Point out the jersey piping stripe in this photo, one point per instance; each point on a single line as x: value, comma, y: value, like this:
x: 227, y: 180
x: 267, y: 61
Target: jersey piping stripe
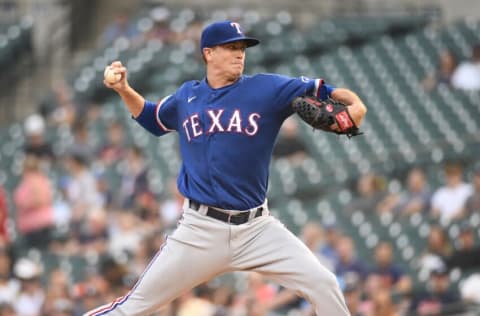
x: 318, y: 85
x: 103, y: 310
x: 157, y: 118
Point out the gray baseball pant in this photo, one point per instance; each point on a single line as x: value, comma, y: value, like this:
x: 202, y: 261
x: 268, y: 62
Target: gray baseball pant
x: 203, y: 247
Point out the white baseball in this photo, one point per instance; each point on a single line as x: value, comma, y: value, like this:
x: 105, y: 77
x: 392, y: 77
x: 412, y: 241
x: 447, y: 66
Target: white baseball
x: 110, y: 76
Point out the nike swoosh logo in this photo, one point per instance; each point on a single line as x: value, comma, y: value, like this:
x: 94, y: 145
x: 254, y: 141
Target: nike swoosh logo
x: 191, y: 99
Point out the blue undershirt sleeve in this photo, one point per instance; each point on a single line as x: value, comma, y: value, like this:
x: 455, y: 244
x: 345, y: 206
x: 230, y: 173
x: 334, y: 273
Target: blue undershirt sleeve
x: 158, y: 119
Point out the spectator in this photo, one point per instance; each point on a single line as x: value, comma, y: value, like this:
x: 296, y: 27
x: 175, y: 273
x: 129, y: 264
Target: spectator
x: 369, y: 194
x: 115, y: 275
x: 290, y: 144
x: 147, y: 209
x: 94, y: 113
x: 64, y: 113
x: 472, y: 204
x: 145, y: 251
x: 467, y: 254
x: 82, y: 139
x: 470, y: 289
x: 92, y: 235
x: 391, y: 275
x: 377, y: 298
x: 57, y: 300
x: 443, y: 75
x: 61, y: 205
x: 192, y: 33
x: 160, y: 29
x: 414, y: 199
x: 259, y: 291
x: 467, y: 75
x: 120, y: 27
x: 352, y: 292
x: 105, y: 188
x: 134, y: 178
x: 36, y: 145
x: 90, y: 292
x: 313, y: 236
x: 114, y: 148
x: 449, y: 200
x: 9, y: 286
x: 33, y: 199
x: 81, y: 188
x: 382, y: 304
x: 31, y: 296
x: 437, y: 297
x: 438, y: 248
x: 328, y: 249
x: 126, y: 235
x: 224, y: 298
x: 4, y: 236
x: 197, y: 302
x: 348, y: 261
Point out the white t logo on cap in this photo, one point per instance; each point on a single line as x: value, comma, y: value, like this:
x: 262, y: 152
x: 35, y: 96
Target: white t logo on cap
x: 237, y: 26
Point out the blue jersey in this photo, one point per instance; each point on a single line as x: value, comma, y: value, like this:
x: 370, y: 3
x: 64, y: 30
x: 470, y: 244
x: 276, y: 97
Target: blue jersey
x: 227, y: 135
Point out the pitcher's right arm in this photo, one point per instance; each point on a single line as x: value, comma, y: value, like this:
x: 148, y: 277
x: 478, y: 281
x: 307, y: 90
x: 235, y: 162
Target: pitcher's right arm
x: 132, y: 99
x: 157, y: 118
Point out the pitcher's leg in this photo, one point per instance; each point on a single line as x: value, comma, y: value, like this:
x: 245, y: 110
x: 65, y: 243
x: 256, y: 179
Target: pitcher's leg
x: 281, y: 256
x: 190, y: 257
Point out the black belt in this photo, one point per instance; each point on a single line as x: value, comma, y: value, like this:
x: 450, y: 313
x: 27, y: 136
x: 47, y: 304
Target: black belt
x: 236, y: 219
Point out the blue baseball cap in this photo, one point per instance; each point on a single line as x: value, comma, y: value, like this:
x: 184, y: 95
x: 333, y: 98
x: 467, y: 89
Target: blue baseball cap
x: 224, y: 32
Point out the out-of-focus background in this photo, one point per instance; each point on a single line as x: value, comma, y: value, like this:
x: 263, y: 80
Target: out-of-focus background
x: 86, y: 195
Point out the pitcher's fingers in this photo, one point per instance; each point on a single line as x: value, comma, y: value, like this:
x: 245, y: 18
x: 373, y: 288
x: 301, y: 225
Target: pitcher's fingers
x: 116, y: 64
x: 120, y: 70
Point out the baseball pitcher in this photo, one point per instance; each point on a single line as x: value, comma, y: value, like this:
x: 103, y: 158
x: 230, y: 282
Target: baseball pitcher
x: 227, y: 125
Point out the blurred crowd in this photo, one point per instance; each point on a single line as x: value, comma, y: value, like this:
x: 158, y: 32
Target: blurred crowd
x: 116, y: 228
x: 464, y: 75
x: 158, y: 26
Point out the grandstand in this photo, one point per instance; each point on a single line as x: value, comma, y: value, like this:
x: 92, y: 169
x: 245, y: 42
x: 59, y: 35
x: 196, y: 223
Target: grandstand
x: 381, y: 56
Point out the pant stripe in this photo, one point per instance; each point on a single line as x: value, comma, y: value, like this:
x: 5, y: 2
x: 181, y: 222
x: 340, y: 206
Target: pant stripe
x: 103, y: 310
x: 111, y: 307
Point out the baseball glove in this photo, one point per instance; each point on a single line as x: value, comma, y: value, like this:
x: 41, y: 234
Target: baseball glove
x: 327, y: 115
